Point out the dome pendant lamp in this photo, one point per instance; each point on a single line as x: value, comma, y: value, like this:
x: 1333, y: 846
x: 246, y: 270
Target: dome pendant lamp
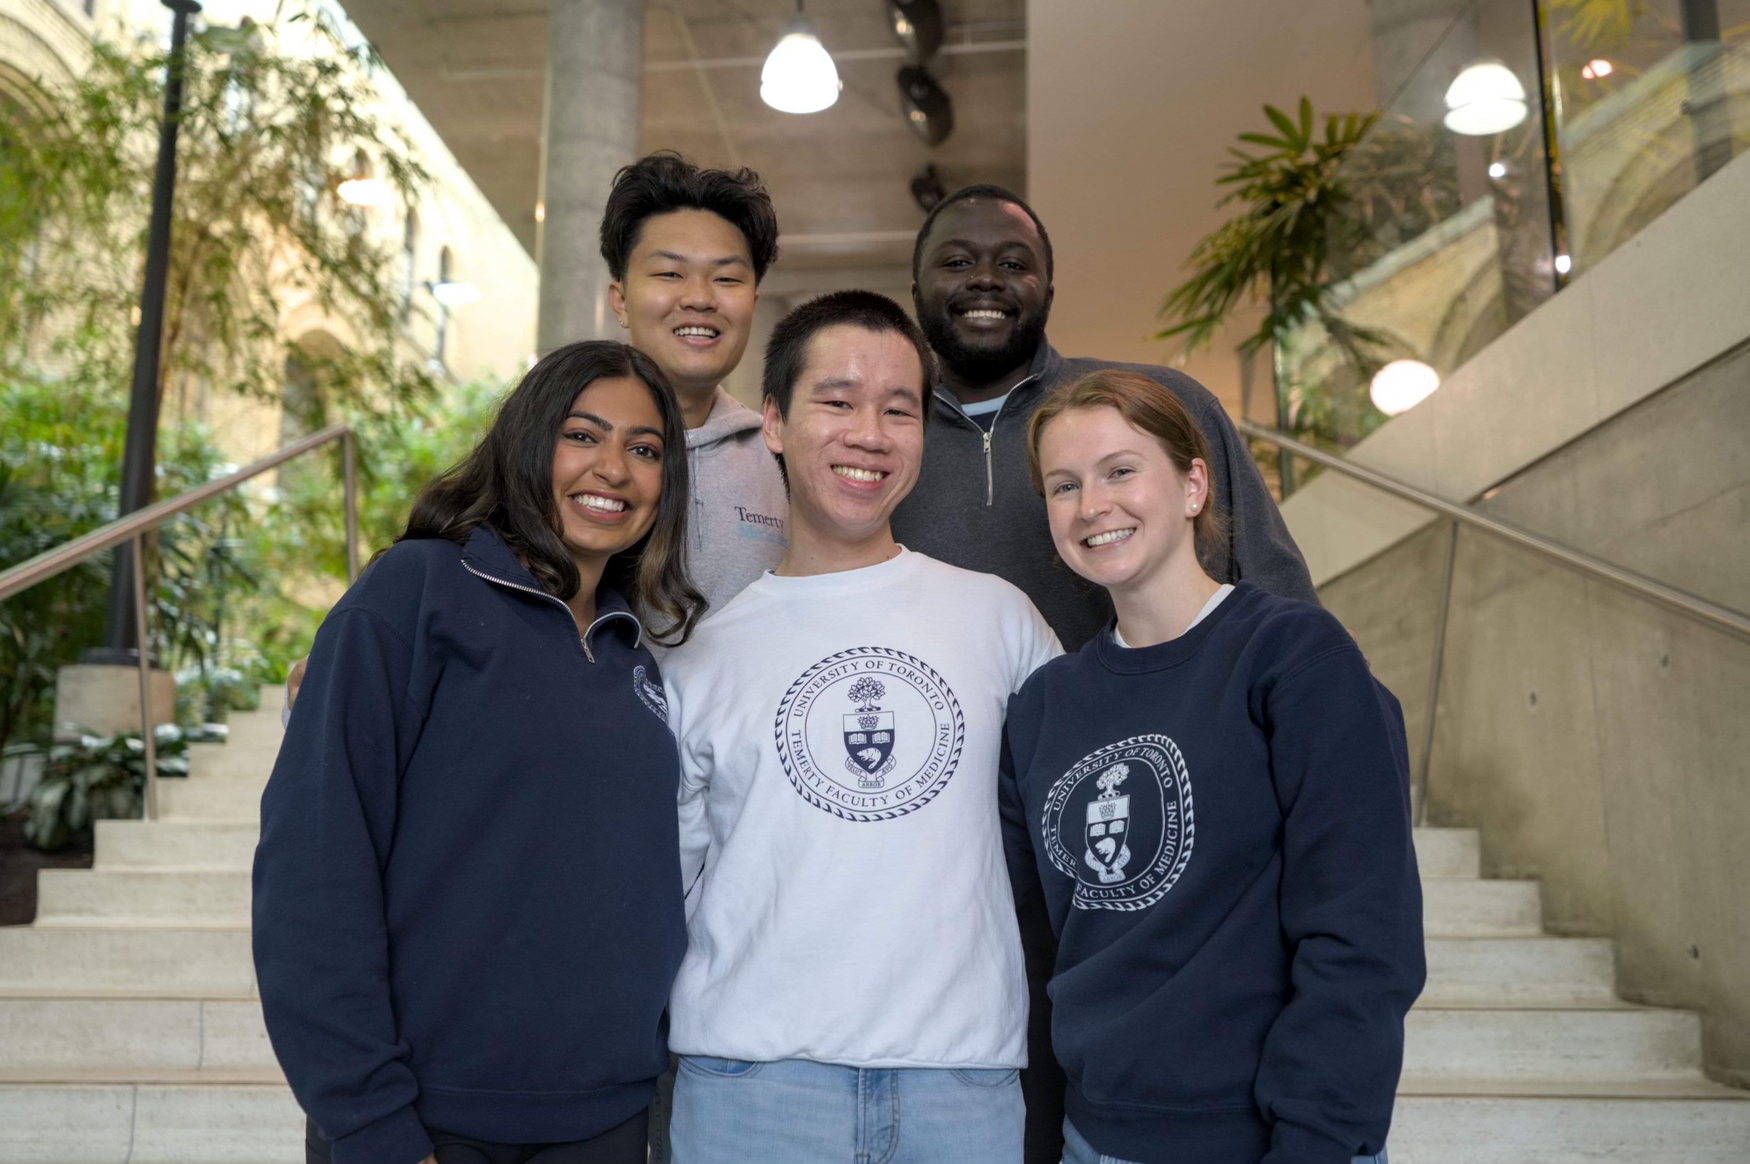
x: 799, y: 76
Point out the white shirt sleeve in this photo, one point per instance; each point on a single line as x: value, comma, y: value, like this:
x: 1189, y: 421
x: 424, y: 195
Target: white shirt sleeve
x: 695, y: 828
x: 1038, y: 645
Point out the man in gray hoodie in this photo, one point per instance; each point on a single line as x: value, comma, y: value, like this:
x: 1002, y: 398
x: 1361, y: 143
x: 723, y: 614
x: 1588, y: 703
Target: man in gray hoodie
x: 687, y: 249
x: 981, y: 286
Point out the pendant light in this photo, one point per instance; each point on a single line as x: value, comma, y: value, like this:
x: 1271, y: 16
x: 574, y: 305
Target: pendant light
x: 1485, y: 99
x: 799, y: 76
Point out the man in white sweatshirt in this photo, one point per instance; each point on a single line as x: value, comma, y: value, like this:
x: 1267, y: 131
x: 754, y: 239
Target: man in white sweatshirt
x: 853, y: 988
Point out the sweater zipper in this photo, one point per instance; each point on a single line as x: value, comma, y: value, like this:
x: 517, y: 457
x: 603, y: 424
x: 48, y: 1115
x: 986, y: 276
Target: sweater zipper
x: 990, y: 486
x: 582, y: 639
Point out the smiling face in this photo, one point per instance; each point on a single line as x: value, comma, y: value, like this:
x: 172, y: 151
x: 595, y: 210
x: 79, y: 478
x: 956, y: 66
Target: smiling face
x: 982, y: 293
x: 854, y: 436
x: 607, y: 469
x: 1121, y: 513
x: 688, y: 298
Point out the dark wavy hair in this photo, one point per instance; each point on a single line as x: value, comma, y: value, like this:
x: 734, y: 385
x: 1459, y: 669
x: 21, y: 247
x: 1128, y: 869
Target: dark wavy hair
x: 506, y: 483
x: 664, y: 182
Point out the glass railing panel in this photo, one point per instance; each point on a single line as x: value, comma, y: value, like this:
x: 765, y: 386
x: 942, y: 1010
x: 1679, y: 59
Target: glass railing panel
x: 1651, y: 99
x: 1441, y: 239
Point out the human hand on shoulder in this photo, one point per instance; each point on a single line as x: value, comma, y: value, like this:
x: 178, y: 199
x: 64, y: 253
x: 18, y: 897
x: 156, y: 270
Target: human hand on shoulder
x: 294, y: 680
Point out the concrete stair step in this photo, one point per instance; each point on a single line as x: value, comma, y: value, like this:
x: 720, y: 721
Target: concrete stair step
x: 152, y: 963
x: 125, y: 1036
x: 1553, y: 1045
x: 1519, y: 971
x: 176, y: 844
x: 215, y: 798
x: 1448, y: 854
x: 175, y: 1123
x: 1481, y: 909
x: 207, y: 760
x: 1645, y: 1128
x: 142, y: 897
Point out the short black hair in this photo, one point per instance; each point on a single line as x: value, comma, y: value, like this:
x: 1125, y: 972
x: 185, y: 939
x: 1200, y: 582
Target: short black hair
x: 995, y: 194
x: 787, y: 351
x: 663, y: 182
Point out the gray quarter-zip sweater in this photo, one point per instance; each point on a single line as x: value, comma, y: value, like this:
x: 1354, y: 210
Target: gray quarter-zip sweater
x: 740, y: 516
x: 974, y: 507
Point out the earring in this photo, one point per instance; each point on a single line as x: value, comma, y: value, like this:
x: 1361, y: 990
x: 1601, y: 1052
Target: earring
x: 622, y: 323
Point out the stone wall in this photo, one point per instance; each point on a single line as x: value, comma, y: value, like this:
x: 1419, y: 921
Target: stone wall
x: 1600, y: 743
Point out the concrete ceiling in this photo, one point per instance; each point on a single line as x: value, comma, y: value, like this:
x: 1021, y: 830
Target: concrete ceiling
x: 839, y: 178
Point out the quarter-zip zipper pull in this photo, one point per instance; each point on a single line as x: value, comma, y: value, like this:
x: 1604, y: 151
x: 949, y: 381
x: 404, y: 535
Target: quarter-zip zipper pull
x: 989, y: 479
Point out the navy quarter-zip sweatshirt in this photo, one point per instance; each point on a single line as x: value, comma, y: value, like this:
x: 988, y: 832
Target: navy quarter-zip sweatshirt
x: 1219, y: 825
x: 468, y: 906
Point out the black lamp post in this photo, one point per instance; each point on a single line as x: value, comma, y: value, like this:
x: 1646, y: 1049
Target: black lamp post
x: 121, y: 638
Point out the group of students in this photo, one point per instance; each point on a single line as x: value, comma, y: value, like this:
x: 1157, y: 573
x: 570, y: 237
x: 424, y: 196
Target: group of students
x: 768, y: 756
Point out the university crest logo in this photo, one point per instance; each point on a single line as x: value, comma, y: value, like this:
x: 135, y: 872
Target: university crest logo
x: 1119, y: 823
x: 869, y: 734
x: 650, y: 693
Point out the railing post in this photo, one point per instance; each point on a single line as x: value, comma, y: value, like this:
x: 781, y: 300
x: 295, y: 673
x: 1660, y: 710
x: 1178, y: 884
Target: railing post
x: 148, y: 729
x: 349, y: 470
x: 1434, y: 673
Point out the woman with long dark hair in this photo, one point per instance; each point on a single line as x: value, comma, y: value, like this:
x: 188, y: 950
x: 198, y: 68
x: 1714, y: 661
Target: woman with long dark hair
x: 467, y: 893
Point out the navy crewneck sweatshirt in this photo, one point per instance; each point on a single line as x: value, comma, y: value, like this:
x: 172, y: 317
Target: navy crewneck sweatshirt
x: 468, y: 904
x: 1219, y: 826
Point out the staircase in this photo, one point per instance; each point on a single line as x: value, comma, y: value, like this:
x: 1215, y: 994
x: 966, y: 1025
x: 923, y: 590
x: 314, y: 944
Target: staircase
x: 129, y: 1030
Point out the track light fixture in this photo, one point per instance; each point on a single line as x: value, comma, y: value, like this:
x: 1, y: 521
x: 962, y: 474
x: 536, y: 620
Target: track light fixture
x: 928, y: 109
x: 917, y: 25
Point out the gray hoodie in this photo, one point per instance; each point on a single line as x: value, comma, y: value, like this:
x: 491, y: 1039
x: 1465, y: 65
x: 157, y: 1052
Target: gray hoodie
x: 740, y: 515
x: 974, y: 506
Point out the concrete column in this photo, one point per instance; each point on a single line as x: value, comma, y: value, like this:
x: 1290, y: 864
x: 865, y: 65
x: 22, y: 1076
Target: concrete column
x: 595, y: 68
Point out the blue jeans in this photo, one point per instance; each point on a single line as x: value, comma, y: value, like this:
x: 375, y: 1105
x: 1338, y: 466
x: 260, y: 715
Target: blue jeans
x: 1078, y: 1151
x: 729, y: 1111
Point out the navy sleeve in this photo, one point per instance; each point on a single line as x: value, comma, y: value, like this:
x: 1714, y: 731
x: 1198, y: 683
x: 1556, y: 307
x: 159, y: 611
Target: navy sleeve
x: 1259, y: 546
x: 1351, y: 911
x: 321, y: 939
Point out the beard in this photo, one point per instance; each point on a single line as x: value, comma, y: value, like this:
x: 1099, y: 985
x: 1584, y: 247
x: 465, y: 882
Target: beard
x: 974, y: 364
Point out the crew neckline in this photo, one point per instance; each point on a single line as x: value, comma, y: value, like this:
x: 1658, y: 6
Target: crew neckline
x: 879, y: 574
x: 1135, y: 660
x: 1221, y: 592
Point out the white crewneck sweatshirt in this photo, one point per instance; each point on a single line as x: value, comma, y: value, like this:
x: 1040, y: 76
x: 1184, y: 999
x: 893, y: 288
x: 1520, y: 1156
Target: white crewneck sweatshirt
x: 848, y: 897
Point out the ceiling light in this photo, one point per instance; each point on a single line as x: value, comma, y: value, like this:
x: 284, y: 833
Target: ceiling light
x: 364, y: 192
x: 927, y: 188
x: 1401, y: 385
x: 1485, y: 99
x: 540, y: 212
x: 1564, y: 264
x: 799, y: 76
x: 1497, y: 169
x: 455, y: 294
x: 917, y: 25
x: 1594, y: 69
x: 927, y: 107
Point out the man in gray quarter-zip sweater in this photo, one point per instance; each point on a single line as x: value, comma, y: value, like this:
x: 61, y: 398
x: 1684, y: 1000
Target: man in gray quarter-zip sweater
x: 981, y: 285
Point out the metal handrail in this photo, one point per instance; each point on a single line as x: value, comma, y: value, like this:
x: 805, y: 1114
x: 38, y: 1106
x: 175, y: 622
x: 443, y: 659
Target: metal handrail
x: 1692, y: 605
x: 1682, y: 602
x: 135, y: 526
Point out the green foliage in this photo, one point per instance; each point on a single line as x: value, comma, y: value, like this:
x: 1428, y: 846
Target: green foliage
x: 273, y: 119
x: 97, y: 778
x: 60, y: 463
x: 1275, y: 249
